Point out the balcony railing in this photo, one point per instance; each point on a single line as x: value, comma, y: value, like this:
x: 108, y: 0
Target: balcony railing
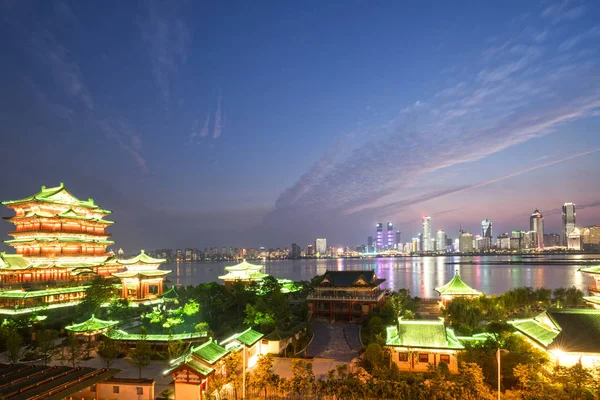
x: 54, y: 231
x: 339, y: 297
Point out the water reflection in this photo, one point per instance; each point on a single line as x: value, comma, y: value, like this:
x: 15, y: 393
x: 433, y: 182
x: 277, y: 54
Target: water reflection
x: 492, y: 275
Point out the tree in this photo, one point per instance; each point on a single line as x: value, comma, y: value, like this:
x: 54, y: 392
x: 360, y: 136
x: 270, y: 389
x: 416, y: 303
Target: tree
x: 232, y: 364
x: 175, y: 348
x: 14, y: 342
x: 74, y: 350
x: 45, y: 345
x: 470, y: 384
x: 262, y: 376
x: 191, y: 308
x: 575, y: 380
x: 265, y: 320
x: 374, y: 355
x: 109, y: 350
x: 303, y: 380
x: 141, y: 355
x: 99, y: 292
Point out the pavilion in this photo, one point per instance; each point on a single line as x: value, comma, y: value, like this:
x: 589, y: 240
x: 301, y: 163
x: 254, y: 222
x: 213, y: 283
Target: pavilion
x: 243, y: 272
x: 568, y: 336
x: 456, y: 288
x: 91, y: 327
x: 142, y: 280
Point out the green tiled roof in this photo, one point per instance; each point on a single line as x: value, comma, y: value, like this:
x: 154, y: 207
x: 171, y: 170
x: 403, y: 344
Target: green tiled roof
x: 457, y: 287
x: 350, y: 278
x: 27, y: 310
x: 91, y: 325
x: 57, y: 195
x: 535, y: 330
x: 194, y: 365
x: 20, y: 294
x: 247, y: 337
x: 169, y: 294
x: 591, y: 270
x: 595, y: 300
x: 142, y: 258
x: 145, y: 274
x: 13, y: 261
x: 243, y: 271
x: 209, y: 352
x: 422, y: 334
x: 118, y: 334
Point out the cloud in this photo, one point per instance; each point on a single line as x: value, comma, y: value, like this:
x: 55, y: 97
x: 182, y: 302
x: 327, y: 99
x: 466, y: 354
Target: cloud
x: 217, y: 129
x: 561, y: 12
x: 117, y: 129
x: 514, y: 98
x: 167, y: 37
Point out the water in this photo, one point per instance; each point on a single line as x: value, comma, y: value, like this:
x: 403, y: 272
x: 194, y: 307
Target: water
x: 489, y: 274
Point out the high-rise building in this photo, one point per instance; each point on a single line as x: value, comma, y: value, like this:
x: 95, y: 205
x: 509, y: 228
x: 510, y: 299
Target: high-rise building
x: 379, y: 237
x: 415, y: 245
x: 574, y: 239
x: 426, y: 234
x: 399, y: 240
x: 188, y: 254
x: 486, y: 228
x: 321, y: 246
x: 390, y: 236
x: 568, y: 221
x: 465, y: 242
x: 552, y: 240
x: 310, y: 250
x: 503, y: 241
x: 590, y: 237
x: 370, y: 248
x: 440, y: 242
x: 296, y: 251
x: 536, y: 224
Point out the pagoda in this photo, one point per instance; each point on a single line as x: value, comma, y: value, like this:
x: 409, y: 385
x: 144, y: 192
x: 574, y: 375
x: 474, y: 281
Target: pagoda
x: 456, y: 288
x: 142, y: 280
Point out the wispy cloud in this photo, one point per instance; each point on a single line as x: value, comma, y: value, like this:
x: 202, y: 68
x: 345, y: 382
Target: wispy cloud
x: 166, y: 36
x: 198, y: 133
x: 516, y: 96
x: 563, y: 12
x: 217, y: 130
x: 127, y: 139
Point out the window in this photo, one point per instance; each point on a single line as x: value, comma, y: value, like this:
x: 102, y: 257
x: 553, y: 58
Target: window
x: 403, y: 357
x: 445, y: 358
x: 423, y: 357
x: 115, y: 389
x: 140, y: 390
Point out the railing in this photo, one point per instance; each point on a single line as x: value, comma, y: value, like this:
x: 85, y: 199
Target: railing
x: 376, y: 297
x: 52, y: 231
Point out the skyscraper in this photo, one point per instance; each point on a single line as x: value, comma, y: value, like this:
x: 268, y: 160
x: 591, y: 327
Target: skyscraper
x: 536, y: 224
x: 440, y: 241
x: 486, y: 228
x: 399, y: 240
x: 426, y: 234
x: 390, y: 236
x: 370, y: 248
x: 321, y: 246
x: 379, y: 237
x: 568, y: 221
x: 465, y: 242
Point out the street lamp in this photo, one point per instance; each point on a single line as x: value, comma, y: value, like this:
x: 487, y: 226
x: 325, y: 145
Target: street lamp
x: 498, y: 352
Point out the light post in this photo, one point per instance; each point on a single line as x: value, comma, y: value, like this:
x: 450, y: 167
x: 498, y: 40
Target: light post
x: 244, y: 373
x: 498, y: 352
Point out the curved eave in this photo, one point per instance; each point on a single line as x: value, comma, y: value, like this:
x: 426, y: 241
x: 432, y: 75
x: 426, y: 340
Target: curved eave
x: 141, y: 274
x: 141, y: 258
x: 60, y: 239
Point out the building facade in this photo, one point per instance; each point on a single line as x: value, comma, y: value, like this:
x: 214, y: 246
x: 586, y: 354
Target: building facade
x: 379, y: 242
x: 465, y: 242
x: 426, y: 234
x: 321, y: 246
x: 440, y: 240
x: 568, y: 221
x: 536, y: 224
x: 390, y: 236
x: 486, y: 228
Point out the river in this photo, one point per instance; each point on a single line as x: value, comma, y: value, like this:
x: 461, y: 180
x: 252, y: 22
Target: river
x: 489, y: 274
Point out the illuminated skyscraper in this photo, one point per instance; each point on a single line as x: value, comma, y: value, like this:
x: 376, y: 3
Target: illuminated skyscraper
x: 321, y: 246
x: 440, y: 241
x: 390, y: 236
x: 568, y: 221
x: 465, y: 242
x: 426, y: 234
x: 486, y: 228
x: 379, y: 237
x: 536, y: 224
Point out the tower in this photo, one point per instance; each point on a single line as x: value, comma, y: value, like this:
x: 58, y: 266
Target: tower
x: 53, y: 224
x: 440, y: 241
x: 536, y: 224
x: 426, y: 234
x: 390, y: 236
x: 379, y: 237
x: 568, y: 221
x: 486, y: 228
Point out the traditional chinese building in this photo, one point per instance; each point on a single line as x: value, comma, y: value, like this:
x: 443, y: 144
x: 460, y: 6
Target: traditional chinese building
x: 92, y: 327
x: 568, y: 336
x: 61, y: 241
x: 456, y: 288
x: 346, y: 295
x: 594, y: 298
x: 416, y: 344
x: 243, y: 272
x: 249, y: 342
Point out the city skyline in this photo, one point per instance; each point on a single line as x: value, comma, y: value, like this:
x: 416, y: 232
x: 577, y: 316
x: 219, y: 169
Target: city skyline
x: 176, y: 117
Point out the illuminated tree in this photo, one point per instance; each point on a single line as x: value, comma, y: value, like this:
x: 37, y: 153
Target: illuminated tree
x: 262, y: 376
x: 303, y: 381
x: 141, y: 355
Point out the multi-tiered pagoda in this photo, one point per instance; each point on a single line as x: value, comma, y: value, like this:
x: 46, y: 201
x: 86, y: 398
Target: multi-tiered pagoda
x: 61, y: 243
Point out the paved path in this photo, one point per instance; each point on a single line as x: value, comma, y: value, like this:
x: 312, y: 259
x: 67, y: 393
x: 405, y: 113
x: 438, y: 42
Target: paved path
x: 336, y: 341
x: 283, y: 366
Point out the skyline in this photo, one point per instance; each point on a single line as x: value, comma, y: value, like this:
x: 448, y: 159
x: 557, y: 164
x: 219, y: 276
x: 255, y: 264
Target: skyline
x: 267, y: 125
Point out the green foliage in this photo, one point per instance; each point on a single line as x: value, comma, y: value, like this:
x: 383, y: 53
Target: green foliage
x: 109, y: 350
x: 191, y: 308
x: 262, y: 377
x: 14, y: 342
x: 100, y: 291
x: 303, y: 380
x: 72, y: 351
x: 141, y: 355
x: 44, y: 346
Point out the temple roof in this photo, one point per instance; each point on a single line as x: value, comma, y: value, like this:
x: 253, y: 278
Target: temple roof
x: 457, y: 287
x: 141, y: 258
x: 13, y: 261
x: 422, y: 334
x: 569, y: 330
x: 591, y: 270
x: 209, y: 352
x: 140, y: 273
x: 57, y: 195
x: 247, y: 337
x: 243, y: 271
x: 350, y: 278
x: 92, y: 325
x: 118, y: 334
x: 21, y: 294
x: 194, y: 365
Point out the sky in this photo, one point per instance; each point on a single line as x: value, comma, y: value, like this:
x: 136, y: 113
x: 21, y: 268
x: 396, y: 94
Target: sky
x: 250, y: 124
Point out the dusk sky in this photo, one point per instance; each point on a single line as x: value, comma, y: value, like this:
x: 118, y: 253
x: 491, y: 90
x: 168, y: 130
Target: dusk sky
x: 245, y: 124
